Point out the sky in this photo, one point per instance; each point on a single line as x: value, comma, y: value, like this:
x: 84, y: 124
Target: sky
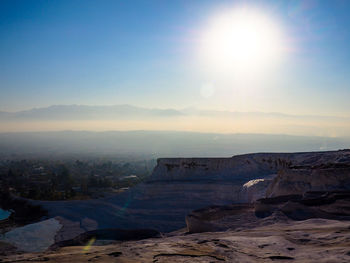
x: 150, y: 54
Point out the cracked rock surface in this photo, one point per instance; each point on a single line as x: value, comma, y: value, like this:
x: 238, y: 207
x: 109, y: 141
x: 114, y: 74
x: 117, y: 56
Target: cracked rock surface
x: 313, y: 240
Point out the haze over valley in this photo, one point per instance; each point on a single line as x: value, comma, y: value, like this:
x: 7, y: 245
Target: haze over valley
x: 155, y: 144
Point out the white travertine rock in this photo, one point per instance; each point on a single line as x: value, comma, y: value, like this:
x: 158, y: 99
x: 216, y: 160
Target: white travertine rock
x: 35, y: 237
x: 254, y: 190
x: 245, y: 166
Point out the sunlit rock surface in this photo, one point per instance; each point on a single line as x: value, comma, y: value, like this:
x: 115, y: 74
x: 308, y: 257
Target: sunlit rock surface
x: 254, y: 190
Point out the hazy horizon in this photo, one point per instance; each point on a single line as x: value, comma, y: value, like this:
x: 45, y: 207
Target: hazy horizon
x: 128, y: 117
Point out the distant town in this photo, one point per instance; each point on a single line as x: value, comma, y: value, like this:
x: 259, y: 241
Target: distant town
x: 71, y: 180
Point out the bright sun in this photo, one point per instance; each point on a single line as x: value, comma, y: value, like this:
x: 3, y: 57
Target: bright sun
x: 241, y: 41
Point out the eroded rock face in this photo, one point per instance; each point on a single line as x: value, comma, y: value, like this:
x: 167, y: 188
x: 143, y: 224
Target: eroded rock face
x: 301, y: 180
x: 244, y: 167
x: 220, y: 218
x: 328, y: 205
x: 240, y: 167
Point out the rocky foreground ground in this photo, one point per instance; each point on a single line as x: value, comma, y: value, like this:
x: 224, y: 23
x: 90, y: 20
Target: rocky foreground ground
x: 313, y: 227
x: 313, y: 240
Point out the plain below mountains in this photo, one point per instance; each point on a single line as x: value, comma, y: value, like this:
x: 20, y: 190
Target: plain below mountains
x: 155, y: 144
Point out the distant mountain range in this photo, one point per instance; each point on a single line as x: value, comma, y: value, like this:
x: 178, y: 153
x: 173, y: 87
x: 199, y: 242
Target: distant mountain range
x: 83, y: 112
x: 119, y: 112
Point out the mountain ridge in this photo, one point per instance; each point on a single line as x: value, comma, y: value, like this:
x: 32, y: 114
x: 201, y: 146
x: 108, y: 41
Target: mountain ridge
x: 97, y: 111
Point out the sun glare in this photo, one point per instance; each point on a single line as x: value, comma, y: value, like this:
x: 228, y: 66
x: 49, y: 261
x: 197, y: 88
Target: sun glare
x: 241, y: 41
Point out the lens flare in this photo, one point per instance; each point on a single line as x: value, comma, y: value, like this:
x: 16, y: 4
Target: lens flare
x: 89, y: 244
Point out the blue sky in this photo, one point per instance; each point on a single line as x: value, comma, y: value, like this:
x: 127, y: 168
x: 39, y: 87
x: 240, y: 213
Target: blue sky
x: 145, y: 53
